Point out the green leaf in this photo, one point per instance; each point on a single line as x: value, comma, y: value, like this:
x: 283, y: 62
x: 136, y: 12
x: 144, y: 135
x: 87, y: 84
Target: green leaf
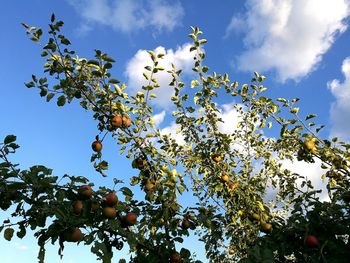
x: 126, y: 191
x: 9, y: 139
x: 310, y: 116
x: 153, y: 55
x: 185, y: 253
x: 96, y: 73
x: 61, y: 101
x: 44, y: 53
x: 93, y: 62
x: 43, y: 92
x: 261, y: 78
x: 22, y: 231
x: 49, y: 96
x: 146, y: 75
x: 8, y: 234
x: 113, y: 81
x: 65, y: 41
x: 25, y: 25
x: 295, y: 100
x: 30, y: 84
x: 194, y: 83
x: 108, y: 59
x: 281, y: 100
x: 294, y: 110
x: 320, y: 128
x: 108, y: 65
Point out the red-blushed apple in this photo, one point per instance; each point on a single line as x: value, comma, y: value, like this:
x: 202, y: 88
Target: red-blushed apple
x: 266, y: 228
x: 109, y: 212
x: 130, y: 219
x: 185, y: 224
x: 225, y: 178
x: 96, y: 146
x: 126, y: 121
x: 311, y: 241
x: 232, y: 186
x: 85, y: 191
x: 175, y: 257
x: 72, y: 235
x: 77, y: 207
x: 117, y: 121
x: 110, y: 199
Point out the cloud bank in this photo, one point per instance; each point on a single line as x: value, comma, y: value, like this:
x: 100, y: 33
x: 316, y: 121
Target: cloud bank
x: 181, y: 57
x: 340, y: 109
x: 130, y: 15
x: 288, y: 36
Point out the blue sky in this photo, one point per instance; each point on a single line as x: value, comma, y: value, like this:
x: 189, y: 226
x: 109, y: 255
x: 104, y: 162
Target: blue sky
x: 301, y: 46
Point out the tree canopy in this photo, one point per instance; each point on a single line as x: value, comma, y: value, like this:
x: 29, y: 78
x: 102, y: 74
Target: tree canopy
x: 249, y: 207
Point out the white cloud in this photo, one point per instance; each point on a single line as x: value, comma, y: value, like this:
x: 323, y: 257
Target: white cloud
x: 130, y: 15
x: 231, y: 117
x: 158, y: 118
x: 312, y: 171
x: 172, y: 130
x: 228, y: 114
x: 340, y: 109
x: 289, y: 36
x: 164, y: 15
x: 20, y: 246
x: 181, y: 57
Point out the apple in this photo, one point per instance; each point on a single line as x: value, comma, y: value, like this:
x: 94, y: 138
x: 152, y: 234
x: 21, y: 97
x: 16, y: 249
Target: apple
x: 255, y: 216
x: 216, y: 158
x: 130, y: 219
x: 126, y: 121
x: 139, y: 163
x: 117, y: 121
x: 72, y: 235
x: 110, y: 199
x: 311, y: 241
x: 231, y: 251
x: 109, y: 212
x: 77, y: 207
x: 224, y: 178
x: 96, y: 146
x: 266, y: 227
x: 185, y: 224
x: 310, y: 145
x: 175, y: 257
x: 149, y: 185
x: 232, y: 186
x: 85, y: 191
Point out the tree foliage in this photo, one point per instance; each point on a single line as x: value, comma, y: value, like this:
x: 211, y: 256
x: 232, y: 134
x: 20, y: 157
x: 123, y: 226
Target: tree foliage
x: 249, y: 207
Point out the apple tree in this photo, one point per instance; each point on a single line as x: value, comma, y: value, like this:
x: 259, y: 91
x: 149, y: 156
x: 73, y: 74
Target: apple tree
x: 249, y: 207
